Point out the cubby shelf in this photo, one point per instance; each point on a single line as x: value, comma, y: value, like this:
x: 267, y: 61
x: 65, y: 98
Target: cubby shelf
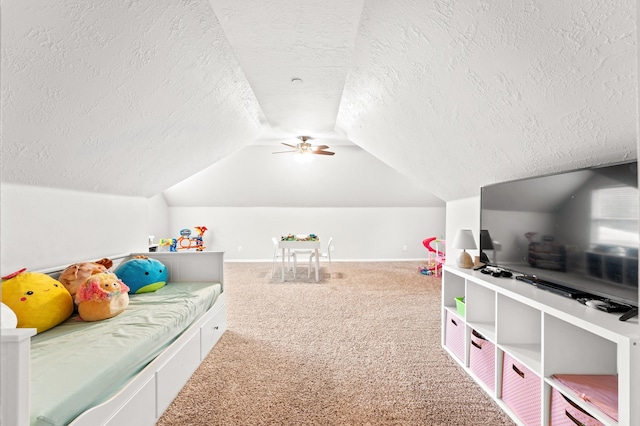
x: 547, y: 334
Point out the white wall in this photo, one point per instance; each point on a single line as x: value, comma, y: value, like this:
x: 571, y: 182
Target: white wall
x: 359, y: 233
x: 462, y: 214
x: 254, y: 177
x: 44, y: 228
x: 158, y: 217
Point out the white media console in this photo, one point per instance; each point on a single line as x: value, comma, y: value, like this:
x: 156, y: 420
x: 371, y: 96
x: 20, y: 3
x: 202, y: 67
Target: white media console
x: 538, y: 334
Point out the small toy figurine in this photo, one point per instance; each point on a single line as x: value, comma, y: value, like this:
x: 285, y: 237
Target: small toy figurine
x: 185, y: 242
x: 425, y: 270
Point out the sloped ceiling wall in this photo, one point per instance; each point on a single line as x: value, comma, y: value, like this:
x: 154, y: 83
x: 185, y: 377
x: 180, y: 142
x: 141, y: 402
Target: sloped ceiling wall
x: 133, y: 97
x: 480, y: 92
x: 276, y: 41
x: 119, y: 97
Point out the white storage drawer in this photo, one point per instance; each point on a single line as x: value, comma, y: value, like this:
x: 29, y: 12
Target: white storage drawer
x: 173, y: 375
x: 212, y: 330
x: 139, y: 410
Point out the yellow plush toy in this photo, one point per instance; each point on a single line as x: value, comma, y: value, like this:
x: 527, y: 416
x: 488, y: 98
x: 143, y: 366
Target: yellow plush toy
x: 102, y: 296
x: 38, y: 300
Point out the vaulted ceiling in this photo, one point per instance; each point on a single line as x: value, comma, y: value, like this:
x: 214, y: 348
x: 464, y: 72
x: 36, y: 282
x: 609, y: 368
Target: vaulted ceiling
x: 140, y: 97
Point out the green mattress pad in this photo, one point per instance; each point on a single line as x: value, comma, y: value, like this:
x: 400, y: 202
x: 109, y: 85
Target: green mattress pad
x: 78, y: 364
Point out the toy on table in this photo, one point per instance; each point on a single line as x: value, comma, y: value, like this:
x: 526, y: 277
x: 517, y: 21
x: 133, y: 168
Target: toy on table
x: 102, y: 296
x: 142, y: 274
x: 74, y: 275
x: 186, y: 242
x: 299, y: 237
x: 37, y: 300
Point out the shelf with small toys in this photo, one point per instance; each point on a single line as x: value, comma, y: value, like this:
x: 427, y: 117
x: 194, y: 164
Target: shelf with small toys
x: 184, y: 242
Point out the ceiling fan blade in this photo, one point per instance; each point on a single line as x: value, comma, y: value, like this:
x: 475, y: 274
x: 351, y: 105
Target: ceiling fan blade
x: 283, y: 152
x: 319, y: 147
x: 323, y: 152
x: 289, y: 145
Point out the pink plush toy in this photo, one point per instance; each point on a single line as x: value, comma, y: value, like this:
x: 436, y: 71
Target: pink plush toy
x: 102, y: 296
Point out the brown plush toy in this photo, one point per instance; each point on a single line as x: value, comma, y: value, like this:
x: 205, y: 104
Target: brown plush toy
x: 102, y: 296
x: 74, y: 275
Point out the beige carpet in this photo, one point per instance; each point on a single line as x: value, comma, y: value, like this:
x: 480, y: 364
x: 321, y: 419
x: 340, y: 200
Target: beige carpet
x: 362, y: 348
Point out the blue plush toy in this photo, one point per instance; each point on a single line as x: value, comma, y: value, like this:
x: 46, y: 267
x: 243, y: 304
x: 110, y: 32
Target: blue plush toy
x: 142, y: 274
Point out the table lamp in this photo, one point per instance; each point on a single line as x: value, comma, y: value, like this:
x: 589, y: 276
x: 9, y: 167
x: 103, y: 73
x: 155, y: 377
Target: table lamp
x: 464, y: 240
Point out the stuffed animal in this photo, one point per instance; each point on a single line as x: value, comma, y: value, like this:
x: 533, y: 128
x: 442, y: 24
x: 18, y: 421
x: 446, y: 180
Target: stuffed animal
x: 102, y: 296
x: 142, y: 274
x: 37, y: 300
x: 74, y: 275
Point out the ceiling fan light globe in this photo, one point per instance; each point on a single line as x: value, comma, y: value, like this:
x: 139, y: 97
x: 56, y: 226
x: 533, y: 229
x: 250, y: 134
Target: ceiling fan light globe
x: 303, y: 157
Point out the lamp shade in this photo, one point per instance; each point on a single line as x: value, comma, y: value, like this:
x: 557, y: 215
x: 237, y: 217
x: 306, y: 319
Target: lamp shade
x: 464, y: 240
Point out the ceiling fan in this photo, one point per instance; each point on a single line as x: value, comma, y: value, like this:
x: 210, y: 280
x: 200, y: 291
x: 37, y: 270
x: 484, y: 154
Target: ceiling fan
x: 305, y: 148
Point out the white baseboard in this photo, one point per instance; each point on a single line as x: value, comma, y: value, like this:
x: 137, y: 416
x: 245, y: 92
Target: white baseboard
x: 324, y: 261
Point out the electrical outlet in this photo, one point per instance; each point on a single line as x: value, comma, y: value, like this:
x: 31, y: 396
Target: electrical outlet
x: 239, y: 248
x: 404, y: 248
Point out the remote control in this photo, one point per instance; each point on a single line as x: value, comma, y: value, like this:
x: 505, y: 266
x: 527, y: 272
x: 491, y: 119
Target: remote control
x: 630, y: 314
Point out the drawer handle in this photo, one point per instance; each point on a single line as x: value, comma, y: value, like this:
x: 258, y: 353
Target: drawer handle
x: 478, y: 335
x: 454, y: 322
x: 476, y: 345
x: 518, y: 371
x: 576, y: 406
x: 573, y: 419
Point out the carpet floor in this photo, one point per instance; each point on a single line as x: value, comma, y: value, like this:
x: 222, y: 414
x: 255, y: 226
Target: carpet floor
x: 361, y: 348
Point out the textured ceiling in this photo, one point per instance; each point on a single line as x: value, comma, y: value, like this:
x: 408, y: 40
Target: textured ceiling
x: 133, y: 97
x: 125, y: 97
x: 480, y: 92
x: 310, y: 42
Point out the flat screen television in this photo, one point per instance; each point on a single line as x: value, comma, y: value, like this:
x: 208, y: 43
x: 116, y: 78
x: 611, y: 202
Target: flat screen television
x: 578, y: 229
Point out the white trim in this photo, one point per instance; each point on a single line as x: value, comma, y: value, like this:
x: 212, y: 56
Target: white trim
x: 332, y: 259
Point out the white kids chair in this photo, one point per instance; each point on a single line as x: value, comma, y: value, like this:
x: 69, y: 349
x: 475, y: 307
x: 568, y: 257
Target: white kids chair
x: 321, y: 255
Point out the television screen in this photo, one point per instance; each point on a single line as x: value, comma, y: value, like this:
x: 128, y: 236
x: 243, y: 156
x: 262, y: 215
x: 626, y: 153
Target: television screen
x: 578, y: 229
